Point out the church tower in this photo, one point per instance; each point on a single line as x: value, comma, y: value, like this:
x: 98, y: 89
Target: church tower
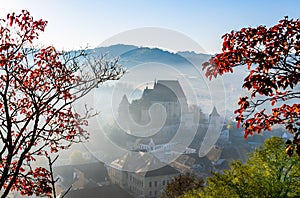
x: 152, y: 145
x: 123, y: 110
x: 214, y: 116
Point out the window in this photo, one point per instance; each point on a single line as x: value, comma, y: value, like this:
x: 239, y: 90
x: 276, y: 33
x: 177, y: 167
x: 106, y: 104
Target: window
x: 155, y: 183
x: 150, y: 193
x: 155, y: 192
x: 150, y: 185
x: 164, y: 182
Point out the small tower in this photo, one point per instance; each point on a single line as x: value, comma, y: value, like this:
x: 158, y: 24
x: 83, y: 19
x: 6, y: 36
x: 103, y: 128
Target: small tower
x: 214, y: 116
x: 152, y: 145
x: 123, y: 110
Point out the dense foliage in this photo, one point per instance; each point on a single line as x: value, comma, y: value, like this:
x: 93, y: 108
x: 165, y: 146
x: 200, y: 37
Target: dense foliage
x: 269, y: 172
x: 272, y: 57
x: 182, y: 184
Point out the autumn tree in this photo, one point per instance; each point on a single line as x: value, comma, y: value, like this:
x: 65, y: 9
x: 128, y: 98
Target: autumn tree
x: 38, y: 88
x: 268, y: 172
x: 271, y: 56
x: 181, y: 184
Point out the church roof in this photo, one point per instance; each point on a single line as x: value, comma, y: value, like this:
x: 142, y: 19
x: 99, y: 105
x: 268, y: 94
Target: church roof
x: 164, y: 90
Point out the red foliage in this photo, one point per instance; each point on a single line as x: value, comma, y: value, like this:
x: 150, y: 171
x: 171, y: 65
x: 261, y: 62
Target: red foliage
x: 272, y: 57
x: 37, y: 90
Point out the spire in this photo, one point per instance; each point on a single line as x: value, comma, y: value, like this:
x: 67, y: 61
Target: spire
x: 123, y: 110
x: 152, y: 144
x: 214, y: 112
x: 124, y: 100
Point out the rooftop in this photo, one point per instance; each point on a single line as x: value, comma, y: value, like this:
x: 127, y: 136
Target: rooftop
x: 113, y: 191
x: 165, y: 170
x: 164, y: 90
x: 144, y: 164
x: 94, y: 172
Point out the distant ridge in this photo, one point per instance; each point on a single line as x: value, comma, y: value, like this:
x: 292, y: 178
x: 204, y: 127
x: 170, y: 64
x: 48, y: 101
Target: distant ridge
x: 196, y: 59
x: 146, y: 55
x: 132, y: 55
x: 114, y: 50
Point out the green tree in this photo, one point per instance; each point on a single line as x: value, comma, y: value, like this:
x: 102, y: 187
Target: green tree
x: 182, y: 184
x: 269, y: 172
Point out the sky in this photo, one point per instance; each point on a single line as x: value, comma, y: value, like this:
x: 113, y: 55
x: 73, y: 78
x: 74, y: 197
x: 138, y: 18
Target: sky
x: 76, y: 24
